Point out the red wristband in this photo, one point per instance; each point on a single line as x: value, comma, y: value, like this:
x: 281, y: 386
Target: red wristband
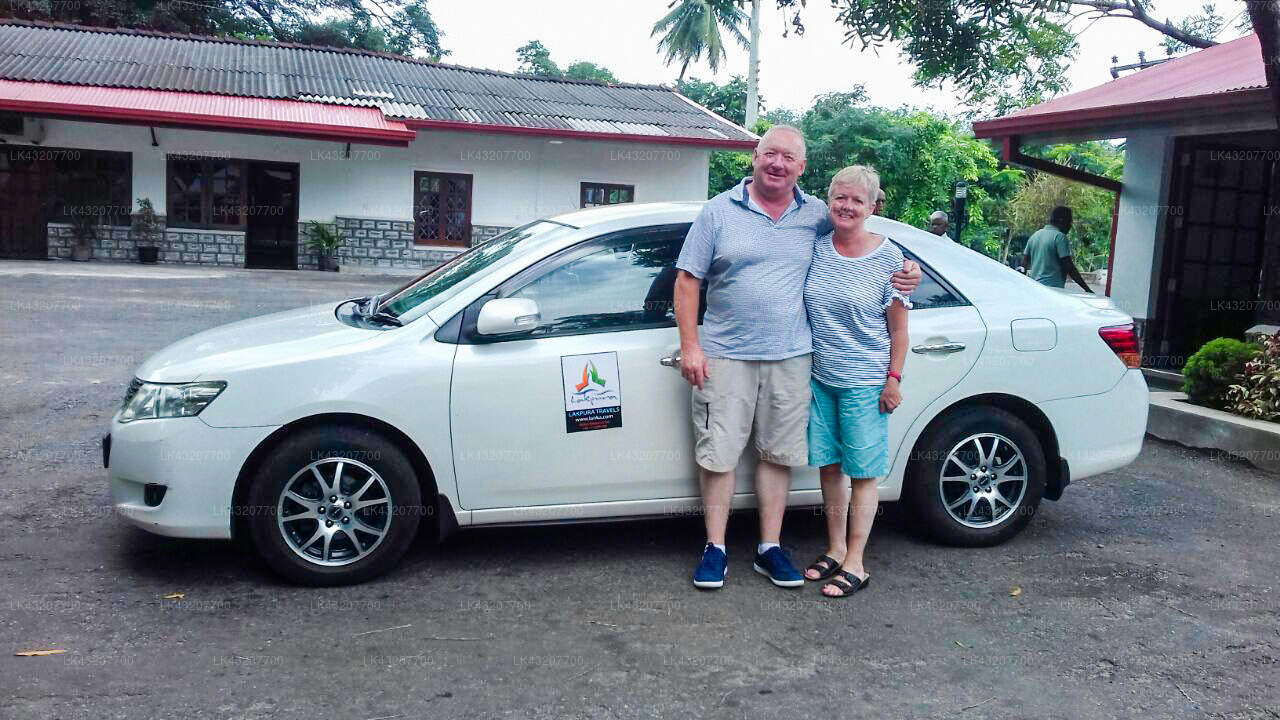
x: 895, y: 376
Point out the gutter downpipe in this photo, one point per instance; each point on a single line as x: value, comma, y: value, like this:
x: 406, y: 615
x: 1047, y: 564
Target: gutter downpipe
x: 1011, y: 152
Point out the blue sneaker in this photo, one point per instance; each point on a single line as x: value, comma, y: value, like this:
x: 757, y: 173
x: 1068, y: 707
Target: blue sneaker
x: 710, y: 573
x: 775, y: 565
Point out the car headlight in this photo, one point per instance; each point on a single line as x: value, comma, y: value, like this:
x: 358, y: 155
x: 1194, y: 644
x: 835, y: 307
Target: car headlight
x: 149, y: 401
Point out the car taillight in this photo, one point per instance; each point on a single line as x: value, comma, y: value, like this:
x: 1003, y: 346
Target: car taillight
x: 1123, y: 341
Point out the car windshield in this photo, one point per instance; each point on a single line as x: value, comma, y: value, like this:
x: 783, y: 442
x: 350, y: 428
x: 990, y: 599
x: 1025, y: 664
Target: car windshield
x: 429, y: 290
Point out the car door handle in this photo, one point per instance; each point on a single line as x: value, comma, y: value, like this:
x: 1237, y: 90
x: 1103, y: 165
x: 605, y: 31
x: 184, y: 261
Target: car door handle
x: 939, y: 348
x: 671, y: 361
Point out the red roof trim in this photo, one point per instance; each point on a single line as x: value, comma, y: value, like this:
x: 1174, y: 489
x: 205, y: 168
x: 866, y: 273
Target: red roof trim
x: 1254, y: 99
x: 208, y: 112
x: 718, y: 143
x: 1229, y: 77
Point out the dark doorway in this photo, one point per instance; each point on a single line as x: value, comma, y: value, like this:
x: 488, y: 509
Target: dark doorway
x: 1210, y: 278
x: 24, y: 181
x: 271, y: 222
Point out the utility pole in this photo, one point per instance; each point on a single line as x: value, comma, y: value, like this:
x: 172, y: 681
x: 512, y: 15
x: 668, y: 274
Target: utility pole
x: 753, y: 67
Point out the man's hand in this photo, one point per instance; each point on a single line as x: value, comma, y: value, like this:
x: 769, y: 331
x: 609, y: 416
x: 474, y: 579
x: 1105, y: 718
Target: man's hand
x: 907, y: 279
x: 693, y: 366
x: 891, y: 396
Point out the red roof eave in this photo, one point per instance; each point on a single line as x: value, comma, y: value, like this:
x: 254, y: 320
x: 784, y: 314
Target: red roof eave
x: 167, y: 108
x: 1141, y: 113
x: 716, y: 143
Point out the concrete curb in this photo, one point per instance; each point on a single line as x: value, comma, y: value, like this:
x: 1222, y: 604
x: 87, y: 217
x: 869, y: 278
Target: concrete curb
x: 1173, y: 418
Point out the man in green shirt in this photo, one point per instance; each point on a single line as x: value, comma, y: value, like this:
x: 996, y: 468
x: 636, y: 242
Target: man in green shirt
x: 1048, y: 255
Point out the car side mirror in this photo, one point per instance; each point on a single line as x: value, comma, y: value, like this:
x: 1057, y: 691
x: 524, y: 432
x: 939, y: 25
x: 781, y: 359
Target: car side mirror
x: 508, y: 316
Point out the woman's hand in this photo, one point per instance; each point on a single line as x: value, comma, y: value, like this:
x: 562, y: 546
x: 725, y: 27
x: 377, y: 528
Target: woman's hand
x: 891, y: 396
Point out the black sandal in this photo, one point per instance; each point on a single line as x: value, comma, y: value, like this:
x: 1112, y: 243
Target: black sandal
x: 847, y: 583
x: 832, y: 567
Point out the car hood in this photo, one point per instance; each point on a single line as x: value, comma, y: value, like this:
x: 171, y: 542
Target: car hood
x: 286, y: 336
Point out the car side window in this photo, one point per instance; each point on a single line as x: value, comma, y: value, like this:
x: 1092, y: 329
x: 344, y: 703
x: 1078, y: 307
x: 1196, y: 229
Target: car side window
x: 933, y: 292
x: 622, y: 282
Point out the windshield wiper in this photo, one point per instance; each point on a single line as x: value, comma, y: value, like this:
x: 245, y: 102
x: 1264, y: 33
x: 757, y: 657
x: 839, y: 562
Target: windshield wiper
x: 384, y: 317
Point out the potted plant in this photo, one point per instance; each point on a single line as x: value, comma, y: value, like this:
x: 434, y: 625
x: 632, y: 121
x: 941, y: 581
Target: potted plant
x: 146, y: 231
x: 325, y: 241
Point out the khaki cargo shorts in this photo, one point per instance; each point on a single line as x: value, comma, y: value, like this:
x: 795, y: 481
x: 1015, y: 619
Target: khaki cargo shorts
x: 769, y: 396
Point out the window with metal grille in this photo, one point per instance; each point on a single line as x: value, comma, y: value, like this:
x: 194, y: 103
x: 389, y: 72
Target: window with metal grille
x: 441, y: 209
x: 206, y: 193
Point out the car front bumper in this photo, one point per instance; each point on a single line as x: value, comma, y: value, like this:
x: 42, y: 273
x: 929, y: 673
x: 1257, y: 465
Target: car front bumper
x: 1102, y: 432
x: 195, y: 463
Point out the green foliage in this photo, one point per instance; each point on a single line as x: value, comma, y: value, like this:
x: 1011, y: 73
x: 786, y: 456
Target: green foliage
x: 918, y: 155
x: 1095, y: 156
x: 1206, y: 24
x: 535, y: 59
x: 691, y: 31
x: 583, y: 70
x: 1001, y: 54
x: 729, y: 100
x: 1257, y: 394
x: 1029, y: 208
x: 1213, y: 369
x: 146, y: 223
x: 322, y: 237
x: 397, y: 26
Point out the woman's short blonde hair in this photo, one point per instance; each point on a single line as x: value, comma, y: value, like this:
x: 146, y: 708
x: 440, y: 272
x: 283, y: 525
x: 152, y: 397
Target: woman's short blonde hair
x: 863, y: 176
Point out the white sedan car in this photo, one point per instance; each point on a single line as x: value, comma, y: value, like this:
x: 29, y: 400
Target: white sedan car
x: 534, y: 379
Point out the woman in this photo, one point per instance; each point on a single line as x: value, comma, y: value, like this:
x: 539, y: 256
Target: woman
x: 859, y: 345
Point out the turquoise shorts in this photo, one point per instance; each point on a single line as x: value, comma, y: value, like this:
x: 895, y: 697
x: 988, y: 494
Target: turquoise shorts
x: 847, y: 427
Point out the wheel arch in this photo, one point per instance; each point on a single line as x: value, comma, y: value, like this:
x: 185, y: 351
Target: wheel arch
x: 1058, y: 473
x: 421, y: 466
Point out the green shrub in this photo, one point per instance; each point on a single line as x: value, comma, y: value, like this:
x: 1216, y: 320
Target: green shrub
x: 1257, y: 395
x: 1214, y: 368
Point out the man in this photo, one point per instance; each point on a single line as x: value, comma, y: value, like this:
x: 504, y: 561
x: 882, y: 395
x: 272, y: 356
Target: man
x: 879, y: 203
x: 938, y: 223
x: 753, y: 245
x: 1048, y: 255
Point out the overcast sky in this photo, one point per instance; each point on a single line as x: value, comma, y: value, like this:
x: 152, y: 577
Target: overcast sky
x: 793, y: 70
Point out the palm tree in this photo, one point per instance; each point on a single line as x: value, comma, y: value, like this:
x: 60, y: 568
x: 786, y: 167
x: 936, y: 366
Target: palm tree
x: 692, y: 30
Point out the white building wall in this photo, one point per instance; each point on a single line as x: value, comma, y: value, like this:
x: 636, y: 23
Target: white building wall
x: 516, y: 178
x: 1140, y: 226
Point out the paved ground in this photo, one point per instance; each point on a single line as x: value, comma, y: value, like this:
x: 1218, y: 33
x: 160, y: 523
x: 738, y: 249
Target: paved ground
x: 1150, y: 592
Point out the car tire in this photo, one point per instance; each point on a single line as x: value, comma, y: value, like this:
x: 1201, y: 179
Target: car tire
x: 997, y: 499
x: 314, y: 533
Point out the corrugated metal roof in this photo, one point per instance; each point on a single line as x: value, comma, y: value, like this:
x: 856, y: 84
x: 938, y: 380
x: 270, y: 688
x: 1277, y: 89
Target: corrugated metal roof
x: 399, y: 87
x: 226, y: 112
x: 1216, y: 74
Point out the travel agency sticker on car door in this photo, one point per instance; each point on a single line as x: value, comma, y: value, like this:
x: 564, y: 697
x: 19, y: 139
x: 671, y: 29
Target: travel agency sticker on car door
x: 592, y: 392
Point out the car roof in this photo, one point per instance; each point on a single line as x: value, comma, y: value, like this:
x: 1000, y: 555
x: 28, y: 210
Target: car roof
x: 611, y: 214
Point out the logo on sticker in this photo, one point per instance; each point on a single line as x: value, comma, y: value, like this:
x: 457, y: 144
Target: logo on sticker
x: 590, y: 376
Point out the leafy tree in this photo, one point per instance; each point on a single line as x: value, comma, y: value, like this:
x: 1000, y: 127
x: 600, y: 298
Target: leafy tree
x: 535, y: 59
x: 692, y: 31
x: 1207, y: 24
x: 583, y: 70
x: 918, y: 155
x: 397, y: 26
x: 729, y: 100
x: 1002, y: 54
